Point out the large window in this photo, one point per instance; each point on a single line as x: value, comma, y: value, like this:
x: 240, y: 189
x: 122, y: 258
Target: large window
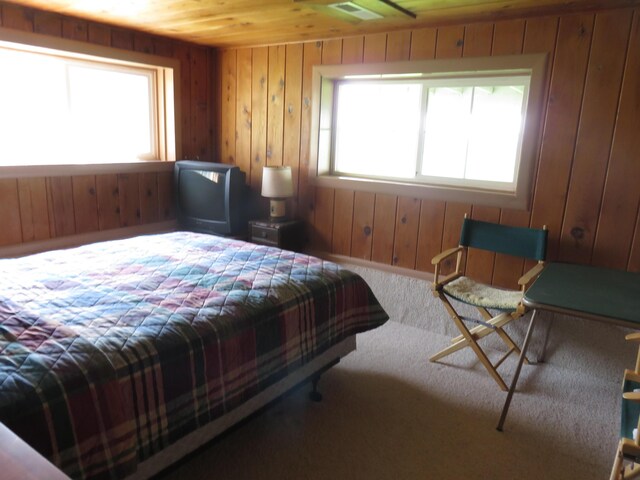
x: 67, y: 107
x: 465, y: 131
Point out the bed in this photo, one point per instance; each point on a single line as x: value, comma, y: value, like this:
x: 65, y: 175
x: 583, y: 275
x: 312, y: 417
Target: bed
x: 113, y: 352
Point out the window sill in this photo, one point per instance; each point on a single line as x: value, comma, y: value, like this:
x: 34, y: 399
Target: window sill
x: 141, y: 166
x: 433, y: 192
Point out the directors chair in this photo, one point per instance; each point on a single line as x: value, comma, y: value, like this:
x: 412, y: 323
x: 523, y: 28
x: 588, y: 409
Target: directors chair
x: 629, y: 446
x: 517, y: 241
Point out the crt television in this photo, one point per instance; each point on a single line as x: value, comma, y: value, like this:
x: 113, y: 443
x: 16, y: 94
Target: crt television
x: 211, y: 197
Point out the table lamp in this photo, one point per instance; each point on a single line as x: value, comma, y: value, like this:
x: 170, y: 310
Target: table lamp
x: 277, y: 186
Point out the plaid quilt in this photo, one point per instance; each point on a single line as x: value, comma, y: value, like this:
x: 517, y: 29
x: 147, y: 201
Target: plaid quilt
x: 111, y: 352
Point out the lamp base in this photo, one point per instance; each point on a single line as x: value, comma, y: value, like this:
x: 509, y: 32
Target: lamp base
x: 277, y: 210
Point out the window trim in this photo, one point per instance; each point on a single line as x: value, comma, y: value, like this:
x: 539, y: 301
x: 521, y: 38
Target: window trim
x: 167, y: 96
x: 325, y: 76
x: 33, y: 171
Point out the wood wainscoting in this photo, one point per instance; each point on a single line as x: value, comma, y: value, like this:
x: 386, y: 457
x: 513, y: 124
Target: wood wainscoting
x: 586, y: 189
x: 34, y: 209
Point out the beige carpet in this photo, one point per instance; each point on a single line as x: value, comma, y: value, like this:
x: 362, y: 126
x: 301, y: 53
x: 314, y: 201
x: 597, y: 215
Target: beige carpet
x: 388, y: 413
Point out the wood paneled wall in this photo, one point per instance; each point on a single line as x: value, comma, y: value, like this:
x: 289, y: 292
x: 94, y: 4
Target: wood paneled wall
x: 47, y: 207
x: 587, y: 188
x: 41, y: 208
x: 588, y: 171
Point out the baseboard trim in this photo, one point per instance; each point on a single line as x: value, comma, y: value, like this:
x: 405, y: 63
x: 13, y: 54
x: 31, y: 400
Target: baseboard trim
x: 359, y: 262
x: 27, y: 248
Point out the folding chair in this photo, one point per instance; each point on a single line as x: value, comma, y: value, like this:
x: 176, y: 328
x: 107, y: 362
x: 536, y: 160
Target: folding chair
x: 629, y: 447
x: 518, y: 241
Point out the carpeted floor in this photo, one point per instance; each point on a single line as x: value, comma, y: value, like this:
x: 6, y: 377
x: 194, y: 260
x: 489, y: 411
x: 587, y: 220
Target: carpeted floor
x: 388, y: 413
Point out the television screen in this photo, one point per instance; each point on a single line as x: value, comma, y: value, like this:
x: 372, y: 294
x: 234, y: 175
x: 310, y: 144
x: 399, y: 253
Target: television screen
x: 211, y: 197
x: 202, y: 194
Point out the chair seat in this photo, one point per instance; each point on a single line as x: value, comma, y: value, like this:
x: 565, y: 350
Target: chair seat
x: 478, y: 294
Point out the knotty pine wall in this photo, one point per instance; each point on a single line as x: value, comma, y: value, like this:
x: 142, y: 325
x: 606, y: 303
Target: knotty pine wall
x: 587, y: 188
x: 46, y: 207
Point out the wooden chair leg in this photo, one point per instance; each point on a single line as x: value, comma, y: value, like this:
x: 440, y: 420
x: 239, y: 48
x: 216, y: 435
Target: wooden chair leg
x: 470, y: 340
x: 482, y: 331
x: 459, y: 345
x: 618, y: 464
x: 487, y: 364
x: 461, y: 342
x: 620, y: 471
x: 631, y: 471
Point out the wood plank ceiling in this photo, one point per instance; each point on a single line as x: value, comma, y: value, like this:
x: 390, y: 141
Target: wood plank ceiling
x: 236, y: 23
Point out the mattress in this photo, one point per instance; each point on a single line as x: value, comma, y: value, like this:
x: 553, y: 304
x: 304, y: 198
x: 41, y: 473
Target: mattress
x: 111, y: 352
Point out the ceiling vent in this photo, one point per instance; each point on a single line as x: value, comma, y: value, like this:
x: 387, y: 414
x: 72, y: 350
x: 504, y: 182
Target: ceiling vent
x: 354, y: 10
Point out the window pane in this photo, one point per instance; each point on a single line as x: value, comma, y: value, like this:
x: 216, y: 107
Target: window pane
x: 110, y: 112
x: 446, y: 130
x: 473, y: 132
x: 55, y: 110
x: 494, y: 133
x: 377, y: 127
x: 33, y: 107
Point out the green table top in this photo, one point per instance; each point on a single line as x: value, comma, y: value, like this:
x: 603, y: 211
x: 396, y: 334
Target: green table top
x: 585, y: 291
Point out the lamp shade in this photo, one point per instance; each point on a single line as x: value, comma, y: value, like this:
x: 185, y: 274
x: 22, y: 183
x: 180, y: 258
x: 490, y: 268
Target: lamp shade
x: 276, y: 182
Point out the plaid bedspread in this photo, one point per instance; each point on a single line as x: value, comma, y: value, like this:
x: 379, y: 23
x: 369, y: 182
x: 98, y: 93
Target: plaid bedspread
x: 111, y: 352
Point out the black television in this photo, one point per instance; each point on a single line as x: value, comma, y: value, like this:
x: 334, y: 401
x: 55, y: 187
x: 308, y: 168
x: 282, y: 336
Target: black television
x: 211, y: 197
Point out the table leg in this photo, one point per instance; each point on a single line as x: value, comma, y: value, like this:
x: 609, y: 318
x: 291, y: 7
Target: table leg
x: 512, y: 389
x: 543, y: 352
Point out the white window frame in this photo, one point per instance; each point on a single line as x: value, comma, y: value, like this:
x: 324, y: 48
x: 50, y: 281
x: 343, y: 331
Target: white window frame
x: 456, y: 71
x: 165, y: 73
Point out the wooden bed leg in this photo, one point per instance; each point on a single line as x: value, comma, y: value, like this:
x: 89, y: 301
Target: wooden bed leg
x: 314, y: 394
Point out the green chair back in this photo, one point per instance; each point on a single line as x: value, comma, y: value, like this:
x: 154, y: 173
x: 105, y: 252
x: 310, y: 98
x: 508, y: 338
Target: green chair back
x: 517, y: 241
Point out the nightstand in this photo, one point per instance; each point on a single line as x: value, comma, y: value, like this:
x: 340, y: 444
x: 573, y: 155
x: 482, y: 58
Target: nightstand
x: 288, y: 234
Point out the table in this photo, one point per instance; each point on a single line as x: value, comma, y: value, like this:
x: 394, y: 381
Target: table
x: 594, y: 293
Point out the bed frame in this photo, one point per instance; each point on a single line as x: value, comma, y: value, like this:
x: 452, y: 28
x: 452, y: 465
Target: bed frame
x: 309, y: 372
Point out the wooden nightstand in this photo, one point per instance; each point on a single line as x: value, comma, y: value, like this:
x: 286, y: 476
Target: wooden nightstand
x: 288, y: 234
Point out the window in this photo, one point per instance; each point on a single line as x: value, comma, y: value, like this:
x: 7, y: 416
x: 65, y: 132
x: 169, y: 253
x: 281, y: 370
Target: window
x: 457, y: 130
x: 64, y: 106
